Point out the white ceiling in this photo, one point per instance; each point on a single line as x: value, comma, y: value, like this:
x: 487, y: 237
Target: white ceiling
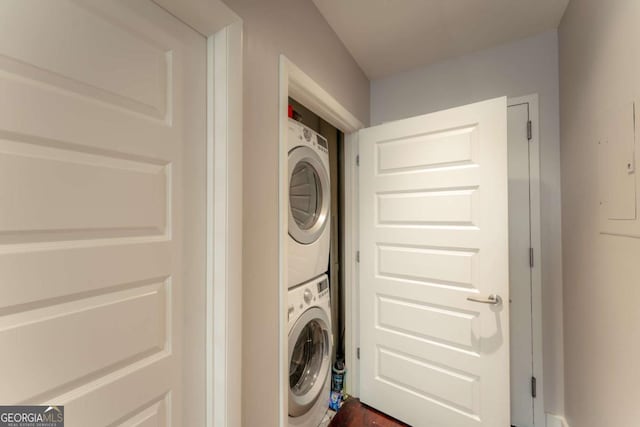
x: 387, y: 36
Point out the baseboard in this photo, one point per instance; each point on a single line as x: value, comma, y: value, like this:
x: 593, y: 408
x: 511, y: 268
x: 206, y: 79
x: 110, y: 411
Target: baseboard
x: 556, y: 421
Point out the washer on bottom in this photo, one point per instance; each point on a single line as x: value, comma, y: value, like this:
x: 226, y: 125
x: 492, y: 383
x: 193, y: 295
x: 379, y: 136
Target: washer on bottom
x: 310, y: 349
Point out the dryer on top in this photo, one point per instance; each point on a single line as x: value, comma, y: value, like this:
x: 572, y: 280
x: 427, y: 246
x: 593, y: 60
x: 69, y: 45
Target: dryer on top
x: 309, y: 204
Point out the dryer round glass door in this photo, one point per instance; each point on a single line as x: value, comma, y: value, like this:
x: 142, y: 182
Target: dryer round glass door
x: 309, y: 195
x: 309, y: 360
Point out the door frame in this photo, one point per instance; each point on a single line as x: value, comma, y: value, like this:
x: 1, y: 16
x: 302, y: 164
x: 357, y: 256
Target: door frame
x: 536, y: 244
x: 223, y: 280
x: 296, y: 83
x: 352, y: 382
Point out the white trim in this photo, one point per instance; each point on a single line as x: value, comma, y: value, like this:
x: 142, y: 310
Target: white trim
x: 350, y: 272
x: 205, y: 17
x: 224, y: 238
x: 303, y: 89
x: 556, y: 421
x: 295, y: 83
x: 283, y: 221
x: 210, y: 308
x: 536, y: 243
x: 223, y: 330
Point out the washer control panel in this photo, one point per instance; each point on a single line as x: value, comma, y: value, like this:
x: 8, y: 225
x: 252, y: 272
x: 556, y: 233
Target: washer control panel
x: 310, y: 294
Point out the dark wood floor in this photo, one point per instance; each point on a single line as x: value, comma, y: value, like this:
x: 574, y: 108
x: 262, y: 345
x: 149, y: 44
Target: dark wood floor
x: 355, y: 414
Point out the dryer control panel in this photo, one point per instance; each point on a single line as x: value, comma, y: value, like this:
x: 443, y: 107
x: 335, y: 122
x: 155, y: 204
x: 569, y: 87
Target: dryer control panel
x: 321, y: 143
x: 307, y: 136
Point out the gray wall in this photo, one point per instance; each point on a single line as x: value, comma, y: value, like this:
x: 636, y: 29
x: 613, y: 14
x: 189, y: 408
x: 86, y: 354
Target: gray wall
x: 599, y: 70
x: 520, y: 68
x: 296, y: 29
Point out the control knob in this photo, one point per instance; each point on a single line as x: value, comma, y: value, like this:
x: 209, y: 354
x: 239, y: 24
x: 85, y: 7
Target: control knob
x: 308, y: 295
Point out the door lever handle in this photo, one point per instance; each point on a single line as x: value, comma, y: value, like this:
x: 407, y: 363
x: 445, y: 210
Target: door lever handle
x: 493, y: 300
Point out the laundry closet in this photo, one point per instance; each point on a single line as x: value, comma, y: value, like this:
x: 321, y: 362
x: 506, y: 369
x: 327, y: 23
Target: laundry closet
x: 314, y: 259
x: 426, y: 290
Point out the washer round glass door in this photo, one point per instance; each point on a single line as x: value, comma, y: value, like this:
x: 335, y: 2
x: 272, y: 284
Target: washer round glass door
x: 309, y: 360
x: 309, y: 195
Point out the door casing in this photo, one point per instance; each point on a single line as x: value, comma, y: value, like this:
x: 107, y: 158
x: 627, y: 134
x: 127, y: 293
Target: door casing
x: 295, y: 83
x: 535, y: 239
x: 223, y: 331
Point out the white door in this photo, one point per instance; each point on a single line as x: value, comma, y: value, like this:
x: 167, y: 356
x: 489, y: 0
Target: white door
x: 102, y: 104
x: 520, y: 268
x: 433, y: 236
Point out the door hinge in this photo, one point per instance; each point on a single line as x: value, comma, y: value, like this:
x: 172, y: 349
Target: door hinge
x: 358, y: 160
x: 531, y: 257
x: 357, y: 256
x: 529, y: 131
x: 358, y: 353
x: 534, y: 391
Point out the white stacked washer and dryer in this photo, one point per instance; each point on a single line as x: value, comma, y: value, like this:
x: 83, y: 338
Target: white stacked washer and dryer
x: 309, y: 308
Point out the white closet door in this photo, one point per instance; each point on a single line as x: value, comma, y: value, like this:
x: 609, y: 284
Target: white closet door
x: 433, y: 235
